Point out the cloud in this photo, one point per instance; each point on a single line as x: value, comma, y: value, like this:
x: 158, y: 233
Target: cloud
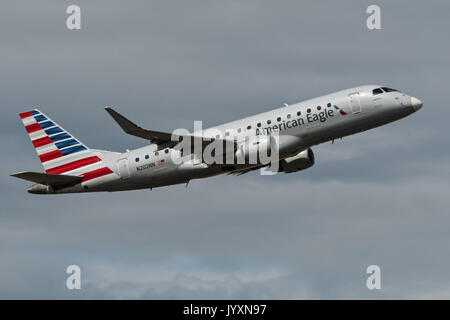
x: 300, y: 241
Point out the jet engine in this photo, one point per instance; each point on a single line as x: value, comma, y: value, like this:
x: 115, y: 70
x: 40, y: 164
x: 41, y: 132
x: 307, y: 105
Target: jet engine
x: 301, y: 161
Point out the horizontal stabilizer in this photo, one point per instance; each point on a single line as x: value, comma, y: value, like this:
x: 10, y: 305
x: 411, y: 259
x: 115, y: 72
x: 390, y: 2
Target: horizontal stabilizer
x: 48, y: 179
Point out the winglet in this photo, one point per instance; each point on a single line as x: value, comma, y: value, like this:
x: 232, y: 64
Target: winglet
x: 127, y: 125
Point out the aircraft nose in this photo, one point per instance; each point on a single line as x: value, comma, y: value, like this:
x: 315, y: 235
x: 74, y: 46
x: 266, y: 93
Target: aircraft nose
x: 416, y: 103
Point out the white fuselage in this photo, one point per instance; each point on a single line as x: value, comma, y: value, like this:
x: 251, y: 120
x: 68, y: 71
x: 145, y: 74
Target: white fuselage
x: 299, y: 126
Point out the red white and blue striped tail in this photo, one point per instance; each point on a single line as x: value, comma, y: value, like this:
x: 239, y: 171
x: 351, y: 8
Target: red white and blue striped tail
x: 59, y: 151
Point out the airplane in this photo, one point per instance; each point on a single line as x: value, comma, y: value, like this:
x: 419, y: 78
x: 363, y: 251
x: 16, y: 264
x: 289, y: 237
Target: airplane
x: 72, y: 167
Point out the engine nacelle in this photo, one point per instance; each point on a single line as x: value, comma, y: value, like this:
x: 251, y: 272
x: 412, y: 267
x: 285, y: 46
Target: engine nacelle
x: 254, y: 151
x: 301, y: 161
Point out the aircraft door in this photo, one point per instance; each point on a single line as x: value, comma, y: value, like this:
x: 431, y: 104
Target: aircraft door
x: 122, y: 166
x: 355, y: 102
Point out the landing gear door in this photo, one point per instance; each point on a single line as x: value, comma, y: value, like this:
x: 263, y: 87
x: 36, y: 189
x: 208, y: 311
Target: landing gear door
x: 122, y: 166
x: 355, y: 102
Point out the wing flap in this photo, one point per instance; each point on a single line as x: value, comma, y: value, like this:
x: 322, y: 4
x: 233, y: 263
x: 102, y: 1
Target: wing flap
x: 240, y: 172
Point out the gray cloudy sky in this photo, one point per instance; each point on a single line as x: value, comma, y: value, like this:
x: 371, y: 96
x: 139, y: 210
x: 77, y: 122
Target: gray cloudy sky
x: 380, y: 197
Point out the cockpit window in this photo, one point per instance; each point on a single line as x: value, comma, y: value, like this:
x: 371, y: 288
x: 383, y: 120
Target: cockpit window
x: 388, y: 89
x: 377, y: 91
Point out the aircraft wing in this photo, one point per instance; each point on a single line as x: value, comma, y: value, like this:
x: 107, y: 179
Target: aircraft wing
x: 162, y: 139
x: 48, y: 179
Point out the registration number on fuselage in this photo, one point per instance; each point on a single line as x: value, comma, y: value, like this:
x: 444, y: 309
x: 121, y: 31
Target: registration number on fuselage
x: 145, y: 166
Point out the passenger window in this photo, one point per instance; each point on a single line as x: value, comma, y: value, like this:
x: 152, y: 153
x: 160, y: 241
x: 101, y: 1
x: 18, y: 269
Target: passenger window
x: 166, y: 151
x: 217, y: 136
x: 137, y: 159
x: 278, y: 119
x: 329, y: 105
x: 227, y: 133
x: 239, y: 130
x: 308, y: 110
x: 289, y: 116
x: 259, y: 124
x: 249, y: 127
x: 269, y: 122
x: 299, y: 113
x: 156, y: 153
x: 319, y: 107
x: 147, y: 156
x: 377, y: 91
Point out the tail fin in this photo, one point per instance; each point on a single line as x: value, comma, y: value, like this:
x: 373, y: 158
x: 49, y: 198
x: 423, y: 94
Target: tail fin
x: 59, y: 151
